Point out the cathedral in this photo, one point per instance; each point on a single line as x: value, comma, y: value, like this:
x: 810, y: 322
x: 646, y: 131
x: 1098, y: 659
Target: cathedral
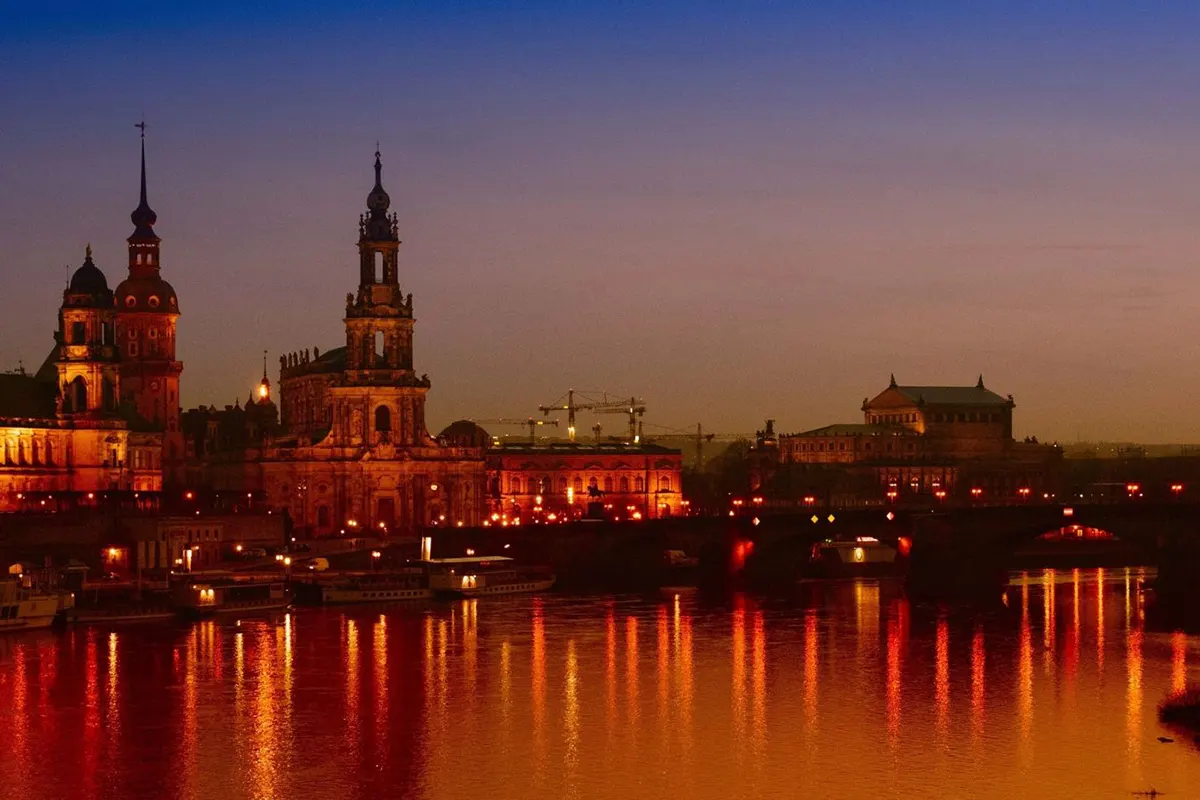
x: 351, y: 452
x: 102, y: 412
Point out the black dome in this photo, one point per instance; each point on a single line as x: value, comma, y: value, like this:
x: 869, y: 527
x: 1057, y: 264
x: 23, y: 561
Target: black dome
x: 88, y: 279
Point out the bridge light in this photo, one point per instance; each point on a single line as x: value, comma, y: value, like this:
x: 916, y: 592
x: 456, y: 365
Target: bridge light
x: 976, y: 492
x: 1176, y: 488
x: 1068, y: 512
x: 756, y: 521
x: 940, y: 494
x: 1132, y: 488
x: 815, y: 519
x: 890, y: 516
x: 809, y: 500
x: 831, y: 518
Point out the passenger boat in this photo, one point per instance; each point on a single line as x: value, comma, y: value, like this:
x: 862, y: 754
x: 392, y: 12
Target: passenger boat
x: 486, y: 576
x: 23, y: 607
x: 206, y: 594
x: 122, y: 615
x: 407, y: 583
x: 863, y: 556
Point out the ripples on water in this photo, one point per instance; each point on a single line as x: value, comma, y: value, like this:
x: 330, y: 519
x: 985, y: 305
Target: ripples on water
x: 845, y: 691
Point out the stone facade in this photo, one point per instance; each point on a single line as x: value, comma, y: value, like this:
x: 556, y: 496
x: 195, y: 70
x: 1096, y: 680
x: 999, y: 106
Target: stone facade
x: 352, y: 452
x: 562, y: 478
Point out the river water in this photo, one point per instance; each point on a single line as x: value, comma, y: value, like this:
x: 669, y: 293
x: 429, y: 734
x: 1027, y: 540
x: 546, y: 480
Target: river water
x: 843, y: 691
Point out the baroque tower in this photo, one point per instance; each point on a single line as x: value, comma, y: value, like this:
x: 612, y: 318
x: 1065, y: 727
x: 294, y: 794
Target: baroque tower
x: 379, y: 338
x: 147, y: 310
x: 88, y: 377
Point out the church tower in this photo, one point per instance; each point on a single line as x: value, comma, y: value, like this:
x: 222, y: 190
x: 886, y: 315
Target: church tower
x: 88, y: 379
x: 379, y: 337
x: 146, y: 313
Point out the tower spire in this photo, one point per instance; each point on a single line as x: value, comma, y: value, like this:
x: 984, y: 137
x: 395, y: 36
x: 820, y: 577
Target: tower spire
x: 143, y: 217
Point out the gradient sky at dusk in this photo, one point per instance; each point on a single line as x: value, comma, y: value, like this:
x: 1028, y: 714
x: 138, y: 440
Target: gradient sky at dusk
x: 734, y: 210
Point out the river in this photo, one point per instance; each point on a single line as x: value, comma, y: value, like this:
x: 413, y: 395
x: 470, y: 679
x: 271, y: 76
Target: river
x: 843, y: 691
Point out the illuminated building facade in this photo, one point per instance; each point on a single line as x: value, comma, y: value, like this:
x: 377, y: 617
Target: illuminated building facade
x: 563, y: 478
x: 100, y: 413
x: 353, y: 451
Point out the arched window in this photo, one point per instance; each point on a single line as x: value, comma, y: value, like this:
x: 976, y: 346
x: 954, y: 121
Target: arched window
x: 639, y: 485
x: 562, y: 485
x: 624, y: 484
x: 608, y: 484
x: 380, y: 348
x: 664, y: 483
x: 78, y: 394
x: 514, y: 486
x: 578, y: 485
x: 383, y: 419
x: 378, y: 267
x: 593, y: 483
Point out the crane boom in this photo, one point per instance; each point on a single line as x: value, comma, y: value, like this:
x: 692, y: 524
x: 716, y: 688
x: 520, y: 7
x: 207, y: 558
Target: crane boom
x: 603, y: 404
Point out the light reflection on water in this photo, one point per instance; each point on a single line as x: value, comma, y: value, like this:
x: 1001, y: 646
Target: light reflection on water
x: 848, y: 691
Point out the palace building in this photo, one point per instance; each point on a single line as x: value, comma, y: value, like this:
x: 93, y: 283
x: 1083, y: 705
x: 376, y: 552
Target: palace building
x: 351, y: 451
x: 102, y: 412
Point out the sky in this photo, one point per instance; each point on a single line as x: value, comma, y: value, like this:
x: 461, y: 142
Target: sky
x: 734, y: 210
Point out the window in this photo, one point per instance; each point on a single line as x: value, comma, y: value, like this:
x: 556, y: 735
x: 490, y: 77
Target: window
x: 383, y: 419
x: 593, y: 483
x: 562, y: 485
x: 841, y: 445
x: 578, y: 485
x: 639, y: 485
x: 378, y: 267
x: 78, y: 333
x: 624, y: 484
x: 133, y: 349
x: 379, y: 345
x: 664, y: 483
x: 154, y: 301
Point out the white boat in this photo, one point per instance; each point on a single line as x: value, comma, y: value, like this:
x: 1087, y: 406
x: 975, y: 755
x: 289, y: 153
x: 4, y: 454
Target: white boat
x: 366, y: 587
x: 486, y: 576
x: 863, y: 556
x: 24, y: 608
x: 206, y: 594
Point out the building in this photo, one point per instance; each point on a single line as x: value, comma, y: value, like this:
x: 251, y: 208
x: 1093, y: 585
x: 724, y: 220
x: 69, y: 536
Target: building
x: 351, y: 452
x: 101, y: 414
x: 539, y: 479
x: 930, y: 440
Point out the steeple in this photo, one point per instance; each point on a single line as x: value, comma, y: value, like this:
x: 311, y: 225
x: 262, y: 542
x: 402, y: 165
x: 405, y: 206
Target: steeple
x: 980, y: 384
x: 143, y: 217
x: 892, y: 382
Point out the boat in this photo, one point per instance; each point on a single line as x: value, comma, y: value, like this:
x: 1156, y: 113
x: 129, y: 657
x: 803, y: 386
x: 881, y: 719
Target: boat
x: 122, y: 615
x: 24, y: 607
x: 483, y: 576
x: 861, y: 557
x: 207, y: 594
x: 408, y: 583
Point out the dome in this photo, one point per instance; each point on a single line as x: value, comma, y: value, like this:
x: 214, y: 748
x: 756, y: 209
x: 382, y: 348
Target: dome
x: 465, y: 433
x: 146, y: 294
x: 88, y: 279
x: 378, y: 201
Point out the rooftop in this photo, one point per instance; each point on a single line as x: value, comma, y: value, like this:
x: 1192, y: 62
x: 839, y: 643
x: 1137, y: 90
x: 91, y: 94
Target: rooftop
x: 856, y: 429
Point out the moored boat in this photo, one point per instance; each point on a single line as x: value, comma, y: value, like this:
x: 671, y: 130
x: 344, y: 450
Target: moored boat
x: 205, y: 595
x: 475, y: 576
x: 861, y: 557
x: 407, y: 583
x: 24, y: 607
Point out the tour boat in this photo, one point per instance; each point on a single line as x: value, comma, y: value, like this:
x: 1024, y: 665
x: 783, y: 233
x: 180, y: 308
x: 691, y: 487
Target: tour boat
x: 864, y: 556
x: 475, y: 576
x: 408, y: 583
x: 121, y: 614
x: 205, y: 595
x: 24, y: 607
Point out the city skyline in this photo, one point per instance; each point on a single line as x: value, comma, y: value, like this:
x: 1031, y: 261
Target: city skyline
x: 726, y: 248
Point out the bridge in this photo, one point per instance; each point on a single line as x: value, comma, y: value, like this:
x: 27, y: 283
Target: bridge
x: 952, y: 553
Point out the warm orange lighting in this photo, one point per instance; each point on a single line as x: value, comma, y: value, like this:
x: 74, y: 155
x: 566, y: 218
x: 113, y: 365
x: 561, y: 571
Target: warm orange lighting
x: 91, y: 496
x: 287, y: 561
x: 808, y: 501
x: 904, y: 545
x: 279, y: 557
x: 815, y: 519
x: 859, y: 555
x: 892, y: 495
x: 976, y: 491
x: 638, y: 515
x: 831, y: 518
x: 890, y: 516
x: 470, y: 551
x: 237, y: 548
x: 1068, y: 512
x: 113, y: 552
x: 188, y: 496
x: 1132, y: 488
x: 1176, y: 487
x: 940, y: 494
x: 263, y: 391
x: 376, y: 554
x: 755, y: 521
x: 433, y: 487
x: 552, y: 517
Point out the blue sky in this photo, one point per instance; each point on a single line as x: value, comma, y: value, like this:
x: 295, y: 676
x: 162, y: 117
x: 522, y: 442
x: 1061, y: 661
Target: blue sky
x: 735, y: 210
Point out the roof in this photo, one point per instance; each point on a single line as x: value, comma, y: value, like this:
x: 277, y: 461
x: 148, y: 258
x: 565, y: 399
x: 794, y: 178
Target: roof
x: 465, y: 432
x: 952, y: 395
x: 25, y: 397
x: 583, y: 448
x: 856, y: 429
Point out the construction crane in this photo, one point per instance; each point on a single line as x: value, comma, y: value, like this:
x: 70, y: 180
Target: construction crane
x: 597, y: 403
x: 699, y: 437
x: 530, y: 422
